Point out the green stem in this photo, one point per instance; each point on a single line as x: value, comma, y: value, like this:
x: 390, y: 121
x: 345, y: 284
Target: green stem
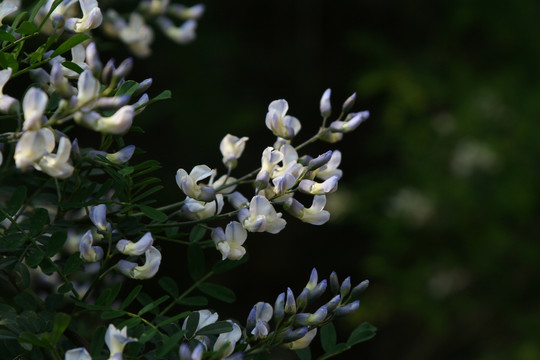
x: 185, y: 293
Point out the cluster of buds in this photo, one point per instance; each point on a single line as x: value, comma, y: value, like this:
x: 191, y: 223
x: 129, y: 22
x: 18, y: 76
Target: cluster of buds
x: 93, y: 97
x: 286, y: 324
x: 103, y: 229
x: 138, y: 35
x: 283, y: 173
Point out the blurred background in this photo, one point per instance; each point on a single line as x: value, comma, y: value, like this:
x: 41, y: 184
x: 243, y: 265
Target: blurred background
x: 438, y: 206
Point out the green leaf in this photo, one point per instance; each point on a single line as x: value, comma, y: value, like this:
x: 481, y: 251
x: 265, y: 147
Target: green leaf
x: 17, y: 200
x: 6, y: 334
x: 173, y: 319
x: 130, y: 323
x: 128, y: 88
x: 29, y: 338
x: 98, y: 341
x: 13, y: 241
x: 34, y: 258
x: 40, y: 218
x: 147, y: 335
x: 131, y: 296
x: 8, y: 60
x: 5, y: 36
x: 72, y: 66
x: 304, y: 354
x: 47, y: 266
x: 8, y: 261
x: 192, y: 322
x: 217, y: 291
x: 65, y: 288
x: 195, y: 261
x: 61, y: 322
x: 226, y: 265
x: 69, y: 43
x: 53, y: 302
x: 362, y: 333
x: 216, y: 328
x: 113, y: 314
x: 26, y: 301
x: 154, y: 304
x: 126, y: 171
x: 169, y: 344
x: 197, y: 233
x: 147, y: 193
x: 328, y: 337
x: 73, y: 263
x: 193, y: 301
x: 169, y: 285
x: 22, y: 276
x: 26, y: 28
x: 55, y: 243
x: 153, y: 213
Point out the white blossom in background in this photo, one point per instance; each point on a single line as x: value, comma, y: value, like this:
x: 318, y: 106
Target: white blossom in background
x: 315, y: 215
x: 261, y: 216
x: 137, y: 35
x: 282, y: 125
x: 471, y: 156
x: 88, y: 252
x: 229, y: 242
x: 231, y: 148
x: 182, y: 34
x: 154, y: 7
x: 91, y: 18
x: 183, y: 12
x: 7, y: 103
x: 226, y: 342
x: 57, y: 165
x: 141, y: 272
x: 411, y: 205
x: 127, y: 247
x: 185, y: 353
x: 116, y: 341
x: 120, y: 157
x: 7, y: 7
x: 188, y: 183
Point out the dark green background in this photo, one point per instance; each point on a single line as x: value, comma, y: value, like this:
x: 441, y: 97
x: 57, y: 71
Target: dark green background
x: 457, y: 282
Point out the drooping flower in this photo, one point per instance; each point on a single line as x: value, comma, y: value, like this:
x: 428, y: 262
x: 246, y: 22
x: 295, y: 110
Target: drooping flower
x: 141, y: 272
x: 226, y: 342
x: 315, y: 214
x: 88, y: 252
x: 34, y: 104
x: 258, y: 318
x: 303, y: 342
x: 314, y: 188
x: 57, y: 165
x: 229, y: 242
x: 352, y: 122
x: 117, y: 340
x: 7, y: 103
x: 261, y: 216
x: 32, y: 146
x: 98, y: 216
x: 188, y: 183
x: 282, y: 125
x: 198, y: 210
x: 206, y: 317
x: 331, y: 167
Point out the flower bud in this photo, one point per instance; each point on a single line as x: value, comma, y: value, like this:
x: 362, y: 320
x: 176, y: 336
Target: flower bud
x: 345, y: 287
x: 237, y: 200
x: 123, y: 69
x: 302, y: 299
x: 92, y: 59
x: 292, y: 335
x: 320, y: 160
x: 334, y: 283
x: 347, y: 309
x: 108, y: 70
x: 143, y: 86
x: 317, y: 291
x: 349, y: 103
x: 290, y: 303
x: 358, y: 289
x: 313, y: 280
x: 333, y: 303
x: 318, y: 316
x: 279, y: 308
x: 112, y: 103
x: 325, y: 106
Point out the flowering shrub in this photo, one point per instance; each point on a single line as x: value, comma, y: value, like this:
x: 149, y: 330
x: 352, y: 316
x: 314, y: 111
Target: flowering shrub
x: 77, y: 218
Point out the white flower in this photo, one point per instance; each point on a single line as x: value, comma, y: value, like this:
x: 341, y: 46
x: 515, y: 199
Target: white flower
x: 270, y: 158
x: 315, y: 214
x: 7, y: 7
x: 188, y: 183
x: 118, y: 123
x: 98, y: 216
x: 32, y: 146
x: 237, y: 200
x: 261, y: 216
x: 57, y: 165
x: 198, y: 210
x: 258, y: 318
x: 138, y: 248
x: 137, y: 35
x: 77, y: 354
x: 88, y: 88
x: 34, y: 104
x: 7, y: 103
x: 185, y: 13
x: 226, y: 342
x: 89, y: 253
x: 303, y: 342
x: 331, y: 167
x: 141, y: 272
x: 282, y: 125
x: 231, y: 148
x: 91, y: 19
x: 183, y: 34
x: 354, y: 119
x: 116, y: 340
x: 229, y: 242
x: 314, y: 188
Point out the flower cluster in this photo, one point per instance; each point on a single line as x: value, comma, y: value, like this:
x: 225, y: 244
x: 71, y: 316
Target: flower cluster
x: 282, y: 175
